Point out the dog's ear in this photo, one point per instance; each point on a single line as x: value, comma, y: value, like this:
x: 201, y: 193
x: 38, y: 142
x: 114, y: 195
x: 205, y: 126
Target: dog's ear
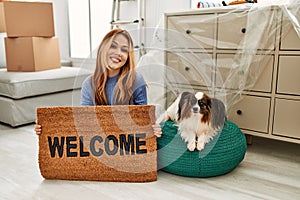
x: 180, y: 104
x: 183, y: 105
x: 218, y: 113
x: 182, y: 97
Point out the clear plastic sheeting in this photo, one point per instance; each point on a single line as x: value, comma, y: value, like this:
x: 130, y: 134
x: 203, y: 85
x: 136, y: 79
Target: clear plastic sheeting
x: 224, y: 52
x: 221, y: 51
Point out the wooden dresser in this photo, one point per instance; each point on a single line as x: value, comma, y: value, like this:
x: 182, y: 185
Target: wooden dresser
x: 270, y: 107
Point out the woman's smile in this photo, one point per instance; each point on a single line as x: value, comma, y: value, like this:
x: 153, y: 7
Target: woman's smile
x: 115, y: 59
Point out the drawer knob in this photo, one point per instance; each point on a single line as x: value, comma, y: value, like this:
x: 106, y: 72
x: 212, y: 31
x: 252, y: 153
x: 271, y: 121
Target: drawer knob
x: 239, y: 112
x: 187, y: 68
x: 188, y: 31
x: 243, y: 30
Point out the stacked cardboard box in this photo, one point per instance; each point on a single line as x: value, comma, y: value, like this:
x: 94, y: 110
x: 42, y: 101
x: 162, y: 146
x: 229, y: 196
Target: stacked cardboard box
x: 30, y: 44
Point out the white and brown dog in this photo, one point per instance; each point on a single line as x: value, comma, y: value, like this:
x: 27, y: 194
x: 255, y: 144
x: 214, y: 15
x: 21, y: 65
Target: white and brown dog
x: 198, y: 117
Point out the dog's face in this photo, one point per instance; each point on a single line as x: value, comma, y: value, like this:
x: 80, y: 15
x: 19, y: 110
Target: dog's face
x: 194, y: 104
x: 204, y: 103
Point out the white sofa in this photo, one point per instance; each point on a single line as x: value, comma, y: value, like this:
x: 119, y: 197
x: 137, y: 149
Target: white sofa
x: 22, y: 92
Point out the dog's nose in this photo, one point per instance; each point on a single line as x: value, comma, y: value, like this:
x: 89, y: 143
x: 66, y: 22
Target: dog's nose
x: 195, y: 109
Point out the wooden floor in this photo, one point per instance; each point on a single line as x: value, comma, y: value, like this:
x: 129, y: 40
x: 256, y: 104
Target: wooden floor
x: 270, y: 170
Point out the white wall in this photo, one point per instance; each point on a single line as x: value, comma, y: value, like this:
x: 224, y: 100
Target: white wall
x: 61, y: 26
x: 60, y: 9
x: 154, y: 13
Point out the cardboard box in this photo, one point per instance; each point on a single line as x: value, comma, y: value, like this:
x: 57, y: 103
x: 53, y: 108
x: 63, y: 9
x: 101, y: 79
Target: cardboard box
x: 28, y: 54
x: 29, y: 19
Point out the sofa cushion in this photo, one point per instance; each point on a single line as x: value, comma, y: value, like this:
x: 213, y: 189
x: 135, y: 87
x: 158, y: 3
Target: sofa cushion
x: 17, y: 112
x: 18, y: 85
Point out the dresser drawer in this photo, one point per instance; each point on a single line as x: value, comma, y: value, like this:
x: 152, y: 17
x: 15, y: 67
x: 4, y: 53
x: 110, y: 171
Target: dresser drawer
x: 191, y: 31
x: 289, y: 75
x: 235, y: 33
x: 231, y: 76
x: 189, y: 68
x: 289, y: 37
x: 251, y: 113
x: 287, y: 118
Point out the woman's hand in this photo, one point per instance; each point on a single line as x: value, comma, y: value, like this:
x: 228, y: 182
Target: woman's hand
x: 157, y: 130
x: 37, y: 128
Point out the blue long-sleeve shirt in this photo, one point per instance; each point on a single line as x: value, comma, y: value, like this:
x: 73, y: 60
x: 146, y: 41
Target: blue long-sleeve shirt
x: 139, y: 93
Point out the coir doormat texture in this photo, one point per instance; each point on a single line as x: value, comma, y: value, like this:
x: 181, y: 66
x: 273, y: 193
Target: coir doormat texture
x: 98, y: 143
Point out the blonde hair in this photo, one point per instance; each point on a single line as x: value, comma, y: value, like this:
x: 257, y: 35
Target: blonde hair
x: 124, y: 87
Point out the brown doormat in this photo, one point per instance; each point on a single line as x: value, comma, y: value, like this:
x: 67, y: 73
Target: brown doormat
x: 98, y: 143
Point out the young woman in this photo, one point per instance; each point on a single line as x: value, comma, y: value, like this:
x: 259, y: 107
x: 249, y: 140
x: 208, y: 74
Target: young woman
x: 114, y: 81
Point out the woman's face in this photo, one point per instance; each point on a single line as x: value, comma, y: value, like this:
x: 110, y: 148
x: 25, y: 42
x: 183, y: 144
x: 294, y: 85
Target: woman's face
x: 117, y: 54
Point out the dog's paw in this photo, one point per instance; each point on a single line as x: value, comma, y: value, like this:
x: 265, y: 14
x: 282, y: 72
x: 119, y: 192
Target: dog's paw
x: 191, y: 147
x: 200, y: 147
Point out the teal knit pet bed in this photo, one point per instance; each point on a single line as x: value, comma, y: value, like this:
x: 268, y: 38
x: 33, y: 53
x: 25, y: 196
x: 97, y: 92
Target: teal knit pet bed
x: 220, y: 156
